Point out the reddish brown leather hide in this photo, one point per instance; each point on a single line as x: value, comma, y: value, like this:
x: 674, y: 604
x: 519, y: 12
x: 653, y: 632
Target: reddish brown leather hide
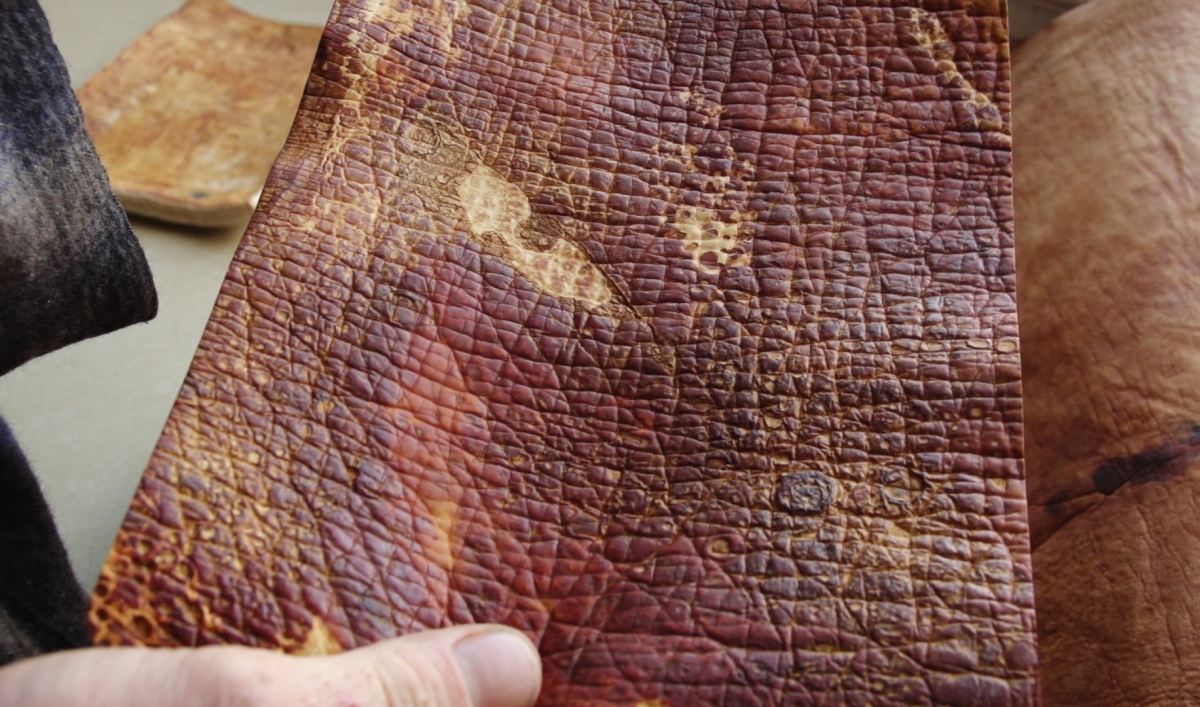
x: 680, y: 335
x: 1110, y: 301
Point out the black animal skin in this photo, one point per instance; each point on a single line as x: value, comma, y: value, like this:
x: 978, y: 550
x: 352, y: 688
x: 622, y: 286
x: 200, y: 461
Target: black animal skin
x: 70, y: 268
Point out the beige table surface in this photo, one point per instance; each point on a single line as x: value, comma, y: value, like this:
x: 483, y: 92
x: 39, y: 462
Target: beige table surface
x: 88, y: 416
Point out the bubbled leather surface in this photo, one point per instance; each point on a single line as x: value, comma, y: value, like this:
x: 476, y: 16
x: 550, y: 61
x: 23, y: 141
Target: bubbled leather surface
x: 680, y: 335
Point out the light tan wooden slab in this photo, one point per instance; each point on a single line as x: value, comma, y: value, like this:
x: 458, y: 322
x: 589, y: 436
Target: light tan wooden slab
x: 190, y: 117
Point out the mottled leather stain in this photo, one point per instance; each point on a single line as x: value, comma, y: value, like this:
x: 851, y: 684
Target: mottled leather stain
x: 1054, y: 506
x: 1162, y: 463
x: 499, y: 209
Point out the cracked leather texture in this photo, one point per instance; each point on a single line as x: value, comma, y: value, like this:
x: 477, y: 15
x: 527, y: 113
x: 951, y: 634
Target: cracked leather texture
x: 681, y: 336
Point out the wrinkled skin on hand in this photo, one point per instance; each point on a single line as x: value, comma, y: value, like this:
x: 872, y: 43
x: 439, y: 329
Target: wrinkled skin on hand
x: 1109, y: 281
x: 679, y: 335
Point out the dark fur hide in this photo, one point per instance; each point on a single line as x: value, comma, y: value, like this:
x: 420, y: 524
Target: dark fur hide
x: 70, y: 266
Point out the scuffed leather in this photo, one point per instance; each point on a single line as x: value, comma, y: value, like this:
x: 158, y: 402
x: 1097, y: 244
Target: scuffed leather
x: 1110, y: 292
x: 679, y: 335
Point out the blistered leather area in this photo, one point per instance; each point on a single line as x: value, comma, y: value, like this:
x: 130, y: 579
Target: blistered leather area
x: 681, y: 336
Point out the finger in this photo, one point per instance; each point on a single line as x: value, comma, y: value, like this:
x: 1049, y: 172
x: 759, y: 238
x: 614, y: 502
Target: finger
x: 481, y: 666
x: 468, y: 666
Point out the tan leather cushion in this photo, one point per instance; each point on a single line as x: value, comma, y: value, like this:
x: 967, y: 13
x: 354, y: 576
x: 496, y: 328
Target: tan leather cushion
x: 1109, y: 261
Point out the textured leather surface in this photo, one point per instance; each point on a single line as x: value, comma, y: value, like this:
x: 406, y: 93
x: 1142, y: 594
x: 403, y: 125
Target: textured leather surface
x: 680, y: 335
x: 189, y: 118
x: 1106, y: 195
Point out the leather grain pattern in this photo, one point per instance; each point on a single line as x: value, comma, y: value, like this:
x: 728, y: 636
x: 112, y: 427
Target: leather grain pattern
x: 189, y: 118
x: 680, y: 335
x: 1110, y: 297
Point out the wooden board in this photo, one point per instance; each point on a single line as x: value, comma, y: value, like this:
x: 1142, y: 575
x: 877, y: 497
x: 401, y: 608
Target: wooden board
x: 190, y: 117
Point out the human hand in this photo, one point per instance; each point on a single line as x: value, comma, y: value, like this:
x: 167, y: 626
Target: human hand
x: 465, y: 666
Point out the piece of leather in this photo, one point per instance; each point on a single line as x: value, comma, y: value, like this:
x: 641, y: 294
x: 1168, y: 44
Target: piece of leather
x: 70, y: 266
x: 681, y: 336
x: 1107, y: 184
x: 189, y: 118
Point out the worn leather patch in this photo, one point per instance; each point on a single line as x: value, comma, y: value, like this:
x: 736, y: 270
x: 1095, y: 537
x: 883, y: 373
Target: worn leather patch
x: 679, y: 335
x: 189, y: 118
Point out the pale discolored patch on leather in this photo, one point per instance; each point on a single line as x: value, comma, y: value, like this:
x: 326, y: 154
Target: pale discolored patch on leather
x: 496, y: 207
x: 137, y: 619
x: 320, y: 641
x: 705, y: 234
x: 441, y: 17
x: 493, y: 204
x: 933, y: 38
x: 403, y: 21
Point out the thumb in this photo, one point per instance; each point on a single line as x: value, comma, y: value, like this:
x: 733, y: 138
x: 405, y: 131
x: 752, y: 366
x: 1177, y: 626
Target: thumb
x: 481, y: 666
x: 466, y: 666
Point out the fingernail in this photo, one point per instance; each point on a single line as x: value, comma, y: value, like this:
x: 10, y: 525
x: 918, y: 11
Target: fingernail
x: 501, y: 668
